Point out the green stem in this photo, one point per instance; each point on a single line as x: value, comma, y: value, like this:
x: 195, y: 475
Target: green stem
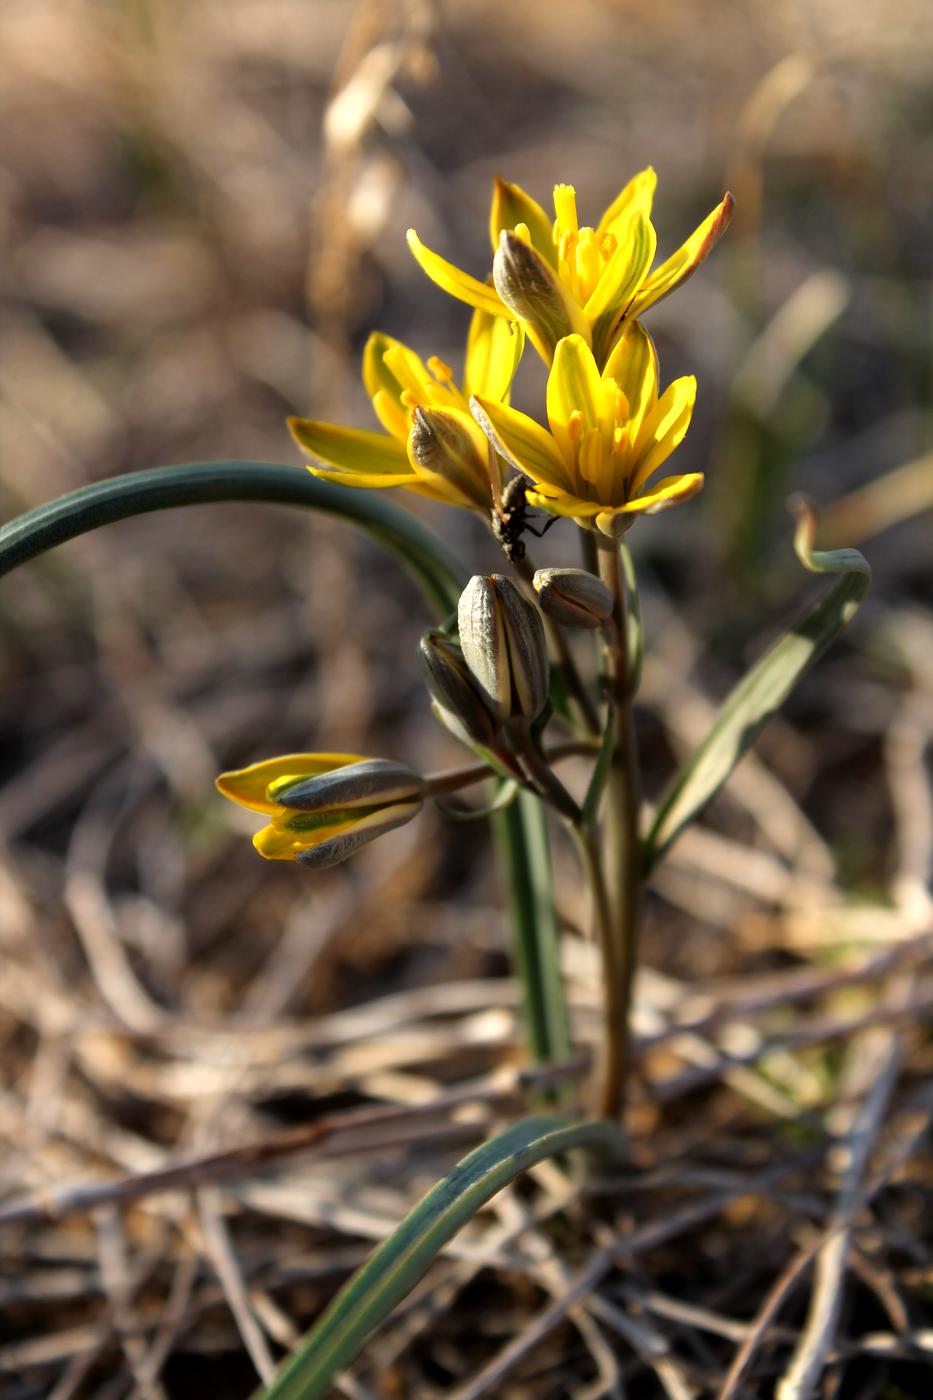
x: 610, y: 1063
x: 622, y: 850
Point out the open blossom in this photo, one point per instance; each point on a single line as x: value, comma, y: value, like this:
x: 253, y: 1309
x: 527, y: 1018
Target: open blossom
x: 431, y: 444
x: 609, y: 433
x: 559, y: 278
x: 323, y: 806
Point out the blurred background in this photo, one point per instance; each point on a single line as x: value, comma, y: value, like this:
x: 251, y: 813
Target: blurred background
x: 202, y: 211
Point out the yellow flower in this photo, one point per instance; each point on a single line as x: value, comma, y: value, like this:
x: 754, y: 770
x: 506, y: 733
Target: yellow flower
x: 431, y: 444
x: 559, y: 279
x: 323, y: 806
x: 609, y: 433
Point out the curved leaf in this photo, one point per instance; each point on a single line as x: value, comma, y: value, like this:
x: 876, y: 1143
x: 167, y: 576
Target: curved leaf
x: 396, y: 1266
x: 766, y: 686
x: 163, y: 488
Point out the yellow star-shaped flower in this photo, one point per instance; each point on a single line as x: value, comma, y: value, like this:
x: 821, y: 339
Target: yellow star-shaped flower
x: 558, y: 278
x: 609, y: 433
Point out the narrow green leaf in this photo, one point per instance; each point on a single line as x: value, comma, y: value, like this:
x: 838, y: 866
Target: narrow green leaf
x: 396, y: 1266
x: 765, y: 687
x: 162, y: 488
x: 522, y: 839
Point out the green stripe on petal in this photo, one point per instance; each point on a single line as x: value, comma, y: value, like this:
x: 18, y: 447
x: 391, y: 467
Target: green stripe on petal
x: 522, y: 441
x: 637, y: 194
x: 455, y: 282
x: 620, y: 280
x: 351, y: 450
x: 563, y: 503
x: 682, y: 264
x: 669, y: 491
x: 664, y: 428
x: 511, y: 206
x: 493, y: 350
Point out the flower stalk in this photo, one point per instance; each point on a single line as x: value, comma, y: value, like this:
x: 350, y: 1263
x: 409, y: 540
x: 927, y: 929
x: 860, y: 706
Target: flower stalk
x: 614, y: 873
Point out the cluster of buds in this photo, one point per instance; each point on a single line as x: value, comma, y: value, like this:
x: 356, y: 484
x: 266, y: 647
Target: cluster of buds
x: 487, y: 688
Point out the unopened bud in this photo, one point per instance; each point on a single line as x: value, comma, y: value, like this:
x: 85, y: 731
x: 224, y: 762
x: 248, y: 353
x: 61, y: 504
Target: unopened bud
x: 573, y: 597
x: 447, y: 443
x: 343, y: 844
x: 375, y: 782
x: 458, y: 702
x: 530, y: 289
x: 502, y: 637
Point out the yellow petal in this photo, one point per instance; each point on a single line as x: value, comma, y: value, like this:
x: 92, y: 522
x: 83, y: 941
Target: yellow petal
x: 249, y: 786
x: 280, y: 841
x: 351, y: 450
x: 637, y: 194
x: 620, y: 280
x: 511, y: 206
x: 389, y: 367
x: 686, y: 260
x: 573, y: 386
x: 493, y: 350
x: 669, y: 491
x: 663, y: 429
x: 563, y: 503
x: 521, y: 441
x: 633, y: 364
x: 455, y: 282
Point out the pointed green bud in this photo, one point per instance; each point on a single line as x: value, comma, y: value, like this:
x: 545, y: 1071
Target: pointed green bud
x: 573, y: 597
x: 458, y: 702
x: 375, y: 782
x: 502, y: 637
x: 530, y: 288
x: 448, y: 443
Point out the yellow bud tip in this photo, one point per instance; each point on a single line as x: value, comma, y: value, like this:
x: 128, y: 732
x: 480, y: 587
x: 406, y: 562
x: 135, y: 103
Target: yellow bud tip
x: 441, y: 371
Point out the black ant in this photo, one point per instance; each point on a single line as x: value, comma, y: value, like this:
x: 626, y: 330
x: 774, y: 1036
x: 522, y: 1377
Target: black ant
x: 510, y: 518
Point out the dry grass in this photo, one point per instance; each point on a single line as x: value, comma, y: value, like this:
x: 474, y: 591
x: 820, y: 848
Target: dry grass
x: 224, y: 1081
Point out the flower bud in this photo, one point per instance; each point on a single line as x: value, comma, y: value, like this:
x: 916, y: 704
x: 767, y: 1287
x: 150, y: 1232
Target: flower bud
x: 573, y: 597
x: 334, y: 849
x: 458, y: 703
x: 364, y: 784
x: 323, y: 806
x: 502, y: 637
x: 449, y: 444
x: 530, y: 289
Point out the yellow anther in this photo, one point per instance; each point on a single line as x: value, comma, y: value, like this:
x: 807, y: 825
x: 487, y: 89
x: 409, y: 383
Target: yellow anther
x: 441, y: 371
x: 523, y: 232
x: 575, y: 425
x: 409, y: 399
x: 565, y: 207
x: 607, y: 245
x: 618, y: 439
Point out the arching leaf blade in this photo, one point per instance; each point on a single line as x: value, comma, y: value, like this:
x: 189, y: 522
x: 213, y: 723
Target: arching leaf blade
x: 196, y: 483
x: 759, y: 694
x: 400, y: 1261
